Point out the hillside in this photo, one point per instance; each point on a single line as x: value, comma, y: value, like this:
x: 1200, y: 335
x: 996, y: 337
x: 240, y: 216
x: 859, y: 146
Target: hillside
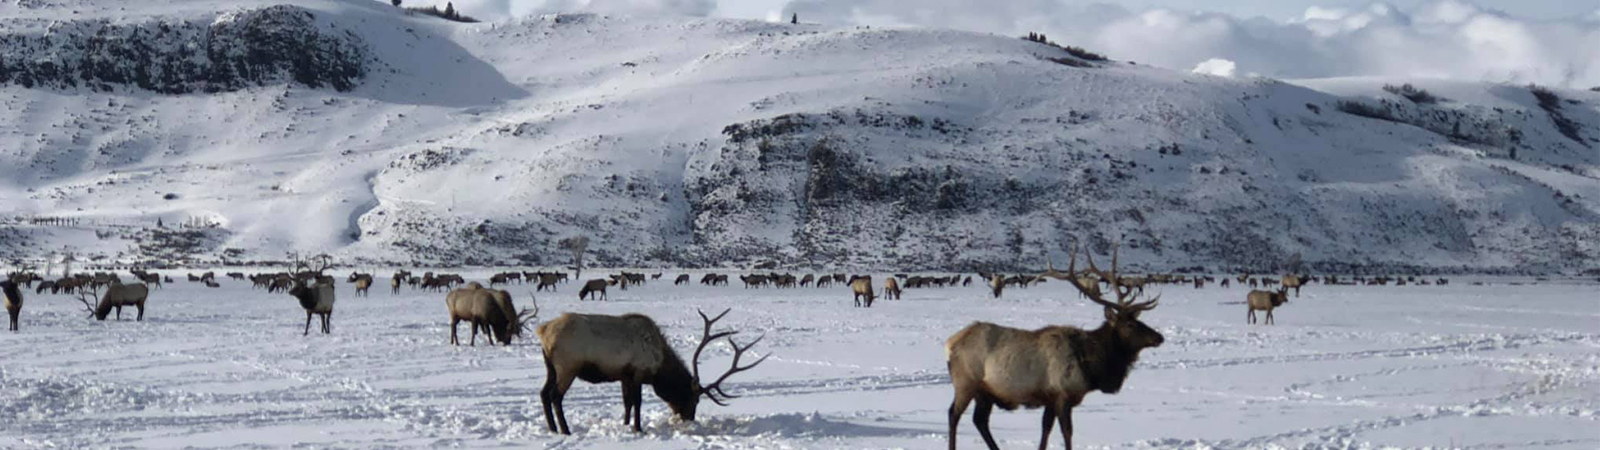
x: 353, y: 128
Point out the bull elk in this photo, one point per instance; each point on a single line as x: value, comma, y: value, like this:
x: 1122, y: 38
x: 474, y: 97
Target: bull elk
x: 490, y: 310
x: 1264, y: 301
x: 316, y: 299
x: 13, y: 297
x: 630, y: 349
x: 117, y: 296
x: 1053, y: 367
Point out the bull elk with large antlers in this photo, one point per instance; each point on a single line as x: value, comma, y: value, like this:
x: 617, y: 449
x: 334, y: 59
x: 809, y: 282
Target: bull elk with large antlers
x: 631, y: 349
x: 1053, y: 367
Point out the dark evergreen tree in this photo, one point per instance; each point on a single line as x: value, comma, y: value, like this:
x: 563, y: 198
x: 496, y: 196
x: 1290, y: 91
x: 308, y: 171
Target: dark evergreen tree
x: 395, y: 2
x: 794, y: 19
x: 450, y: 10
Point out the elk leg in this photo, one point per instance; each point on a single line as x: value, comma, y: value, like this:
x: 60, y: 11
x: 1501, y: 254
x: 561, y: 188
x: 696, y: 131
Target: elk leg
x: 631, y: 402
x: 474, y: 342
x: 1269, y: 317
x: 308, y: 324
x: 980, y: 419
x: 454, y: 322
x: 119, y: 312
x: 1066, y: 426
x: 141, y: 313
x: 1048, y: 424
x: 327, y: 323
x: 563, y: 383
x: 957, y: 408
x: 547, y: 394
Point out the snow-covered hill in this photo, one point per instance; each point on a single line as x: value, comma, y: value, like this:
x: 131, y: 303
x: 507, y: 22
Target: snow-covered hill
x: 354, y: 128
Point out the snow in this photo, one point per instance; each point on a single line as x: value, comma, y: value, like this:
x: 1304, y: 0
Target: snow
x: 1510, y: 364
x: 540, y: 128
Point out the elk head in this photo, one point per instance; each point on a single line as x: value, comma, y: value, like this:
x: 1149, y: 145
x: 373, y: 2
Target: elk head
x: 1122, y: 315
x: 685, y: 408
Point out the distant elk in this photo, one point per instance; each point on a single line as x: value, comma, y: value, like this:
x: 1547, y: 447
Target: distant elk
x: 1293, y: 282
x: 997, y: 284
x: 363, y: 281
x: 315, y: 292
x: 117, y: 296
x: 1053, y: 367
x: 596, y: 286
x: 891, y: 289
x: 489, y: 310
x: 862, y: 288
x: 1264, y: 301
x: 13, y: 297
x: 548, y: 280
x: 681, y: 280
x: 630, y: 349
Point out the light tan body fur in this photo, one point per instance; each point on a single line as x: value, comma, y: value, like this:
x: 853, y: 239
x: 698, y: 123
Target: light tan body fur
x: 119, y: 295
x: 1264, y: 301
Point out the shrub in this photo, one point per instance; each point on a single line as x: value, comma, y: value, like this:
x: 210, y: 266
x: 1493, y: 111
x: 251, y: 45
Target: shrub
x: 1412, y: 93
x: 1362, y: 109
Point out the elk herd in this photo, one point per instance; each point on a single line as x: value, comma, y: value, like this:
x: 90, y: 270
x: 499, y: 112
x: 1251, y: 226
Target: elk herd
x: 990, y: 365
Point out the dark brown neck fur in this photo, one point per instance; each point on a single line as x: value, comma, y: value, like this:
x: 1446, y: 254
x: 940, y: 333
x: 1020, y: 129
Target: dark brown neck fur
x: 1106, y: 358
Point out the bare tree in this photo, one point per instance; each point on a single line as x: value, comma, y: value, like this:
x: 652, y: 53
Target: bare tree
x: 576, y: 245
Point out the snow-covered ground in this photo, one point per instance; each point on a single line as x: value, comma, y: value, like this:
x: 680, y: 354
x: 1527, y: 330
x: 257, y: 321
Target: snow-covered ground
x: 1458, y: 366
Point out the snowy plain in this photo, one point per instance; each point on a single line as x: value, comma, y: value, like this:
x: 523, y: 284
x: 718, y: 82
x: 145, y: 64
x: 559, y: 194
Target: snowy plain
x: 1457, y: 366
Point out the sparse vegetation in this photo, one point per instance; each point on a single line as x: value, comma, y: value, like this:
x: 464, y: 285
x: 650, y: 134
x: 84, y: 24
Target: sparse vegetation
x: 1551, y: 103
x: 1359, y: 108
x: 1077, y: 52
x: 448, y: 13
x: 1412, y: 93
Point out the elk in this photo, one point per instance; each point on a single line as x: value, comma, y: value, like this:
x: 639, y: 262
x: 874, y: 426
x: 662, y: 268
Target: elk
x: 630, y: 349
x: 862, y: 288
x: 1053, y: 367
x: 490, y: 310
x: 807, y: 280
x: 682, y: 279
x: 315, y: 299
x: 597, y: 285
x: 119, y: 295
x: 891, y: 289
x: 824, y: 281
x: 363, y: 281
x: 1265, y: 301
x: 997, y: 284
x: 547, y: 280
x: 13, y: 297
x: 1293, y: 282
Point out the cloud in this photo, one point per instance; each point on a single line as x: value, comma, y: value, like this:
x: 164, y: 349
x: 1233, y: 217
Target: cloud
x: 637, y: 7
x: 1440, y: 38
x: 1215, y: 66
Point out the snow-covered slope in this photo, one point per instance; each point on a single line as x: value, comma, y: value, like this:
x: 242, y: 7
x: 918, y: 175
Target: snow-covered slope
x: 719, y: 142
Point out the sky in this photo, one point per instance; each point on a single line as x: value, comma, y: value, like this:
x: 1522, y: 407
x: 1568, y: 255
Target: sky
x: 1550, y: 42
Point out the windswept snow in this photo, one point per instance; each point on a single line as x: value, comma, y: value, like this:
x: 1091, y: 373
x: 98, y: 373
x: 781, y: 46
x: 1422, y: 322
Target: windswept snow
x: 1458, y: 366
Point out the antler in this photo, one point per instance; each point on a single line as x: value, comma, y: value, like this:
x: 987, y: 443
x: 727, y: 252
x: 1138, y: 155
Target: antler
x: 525, y: 315
x: 1125, y: 295
x: 714, y: 390
x: 94, y: 292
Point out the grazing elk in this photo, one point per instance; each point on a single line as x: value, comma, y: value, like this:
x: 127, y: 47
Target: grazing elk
x: 548, y: 280
x: 1264, y: 301
x: 597, y: 286
x: 13, y: 298
x: 997, y: 284
x: 119, y: 295
x: 1053, y: 367
x: 490, y: 310
x: 862, y: 288
x: 681, y: 280
x: 315, y: 299
x: 891, y: 289
x: 630, y: 349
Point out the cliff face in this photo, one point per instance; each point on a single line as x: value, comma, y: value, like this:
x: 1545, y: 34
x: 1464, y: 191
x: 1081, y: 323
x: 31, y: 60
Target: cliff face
x: 226, y: 52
